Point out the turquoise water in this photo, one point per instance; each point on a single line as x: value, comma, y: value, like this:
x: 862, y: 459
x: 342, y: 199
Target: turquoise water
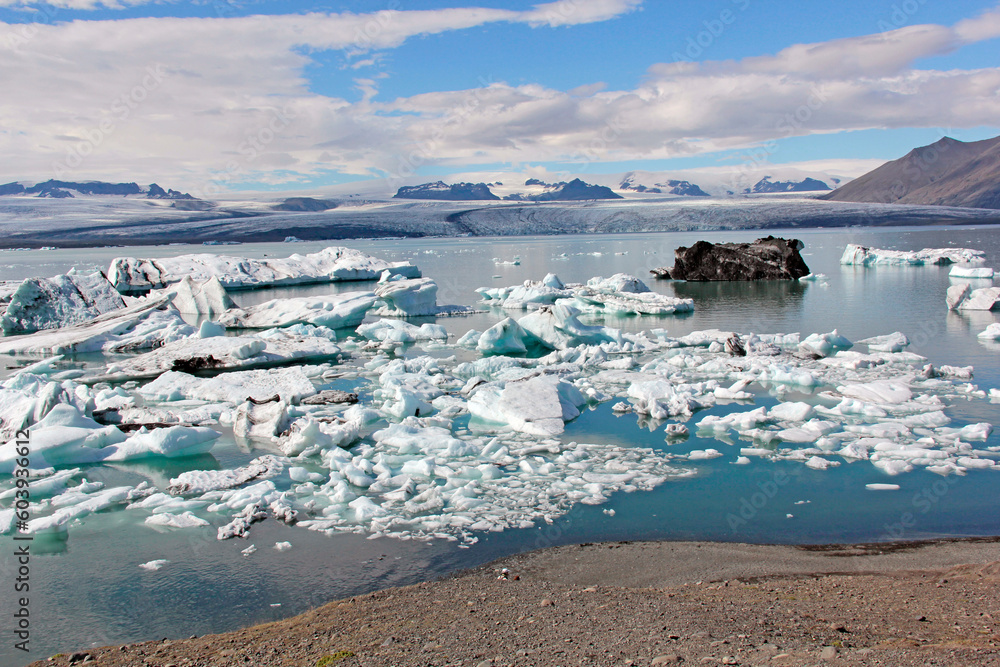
x: 88, y: 588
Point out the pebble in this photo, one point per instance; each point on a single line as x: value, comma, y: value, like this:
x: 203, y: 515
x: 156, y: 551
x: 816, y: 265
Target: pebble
x: 547, y: 603
x: 485, y: 663
x: 730, y: 660
x: 828, y: 653
x: 667, y: 659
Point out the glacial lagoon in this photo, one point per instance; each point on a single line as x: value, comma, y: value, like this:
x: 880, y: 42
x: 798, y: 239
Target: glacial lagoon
x: 88, y: 588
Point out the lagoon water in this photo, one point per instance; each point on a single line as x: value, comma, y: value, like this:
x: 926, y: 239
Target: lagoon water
x: 88, y: 589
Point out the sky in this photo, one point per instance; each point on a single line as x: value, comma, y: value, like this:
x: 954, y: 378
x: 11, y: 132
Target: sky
x: 230, y: 95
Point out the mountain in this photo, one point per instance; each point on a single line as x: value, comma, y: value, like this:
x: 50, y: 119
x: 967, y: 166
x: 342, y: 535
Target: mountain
x: 305, y: 205
x: 65, y: 189
x: 440, y: 190
x: 575, y: 190
x: 767, y: 186
x: 670, y: 186
x: 946, y: 173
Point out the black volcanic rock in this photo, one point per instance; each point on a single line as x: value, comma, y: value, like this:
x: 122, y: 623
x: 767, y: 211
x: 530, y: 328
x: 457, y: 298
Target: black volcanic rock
x: 305, y: 204
x: 440, y: 190
x: 768, y: 258
x: 946, y: 173
x: 766, y: 186
x: 88, y: 188
x: 11, y: 189
x: 576, y: 190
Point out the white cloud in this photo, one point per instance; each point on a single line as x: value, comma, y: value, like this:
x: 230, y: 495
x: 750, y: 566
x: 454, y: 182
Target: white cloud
x: 186, y: 101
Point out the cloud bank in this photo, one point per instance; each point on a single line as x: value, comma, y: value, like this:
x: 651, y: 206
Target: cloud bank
x: 193, y: 100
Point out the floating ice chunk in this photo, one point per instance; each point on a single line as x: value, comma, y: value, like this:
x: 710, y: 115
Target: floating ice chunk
x: 894, y: 342
x: 222, y: 353
x: 111, y: 329
x: 628, y: 303
x: 559, y: 327
x: 792, y: 412
x: 265, y: 418
x: 205, y: 299
x: 291, y: 384
x: 704, y: 454
x: 129, y: 274
x: 249, y: 550
x: 184, y: 520
x: 411, y: 438
x: 59, y: 521
x: 396, y: 331
x: 209, y: 329
x: 824, y: 344
x: 882, y: 392
x: 552, y: 280
x: 811, y: 431
x: 970, y: 272
x: 46, y: 486
x: 407, y: 298
x: 154, y: 565
x: 742, y: 461
x: 65, y: 300
x: 961, y: 297
x: 171, y: 442
x: 819, y: 463
x: 197, y: 482
x: 992, y: 332
x: 504, y: 337
x: 661, y: 399
x: 620, y: 282
x: 863, y: 256
x: 335, y: 311
x: 282, y: 546
x: 788, y: 374
x: 813, y: 277
x: 537, y: 405
x: 882, y: 487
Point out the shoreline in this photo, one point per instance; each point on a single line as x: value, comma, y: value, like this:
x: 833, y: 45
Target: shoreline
x: 703, y: 602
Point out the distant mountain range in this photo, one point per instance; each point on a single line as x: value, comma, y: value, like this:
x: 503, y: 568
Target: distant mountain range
x: 767, y: 186
x: 65, y: 189
x: 443, y: 191
x: 946, y: 173
x: 669, y: 187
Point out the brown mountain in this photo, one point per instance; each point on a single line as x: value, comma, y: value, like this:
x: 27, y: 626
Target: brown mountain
x: 946, y: 173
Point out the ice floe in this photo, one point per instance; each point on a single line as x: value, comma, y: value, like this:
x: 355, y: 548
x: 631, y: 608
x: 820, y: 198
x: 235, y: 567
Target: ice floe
x: 863, y: 256
x: 334, y: 311
x: 65, y: 300
x: 130, y: 274
x: 206, y: 299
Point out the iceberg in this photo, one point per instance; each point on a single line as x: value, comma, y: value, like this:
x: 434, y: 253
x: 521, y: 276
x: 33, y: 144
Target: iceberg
x: 222, y: 353
x: 206, y: 299
x: 538, y: 405
x: 414, y: 297
x: 559, y: 327
x: 504, y: 337
x: 962, y: 297
x: 862, y: 256
x: 65, y: 300
x: 971, y: 272
x: 291, y: 384
x: 129, y: 274
x: 335, y: 311
x: 395, y: 331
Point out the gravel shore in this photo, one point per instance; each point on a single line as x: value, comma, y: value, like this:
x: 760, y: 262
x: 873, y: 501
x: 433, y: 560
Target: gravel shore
x: 642, y: 603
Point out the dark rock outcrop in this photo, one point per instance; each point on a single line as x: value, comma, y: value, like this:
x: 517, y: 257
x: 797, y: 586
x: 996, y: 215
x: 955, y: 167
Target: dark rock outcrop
x: 305, y: 205
x: 14, y: 188
x: 768, y: 258
x: 441, y: 190
x: 670, y: 187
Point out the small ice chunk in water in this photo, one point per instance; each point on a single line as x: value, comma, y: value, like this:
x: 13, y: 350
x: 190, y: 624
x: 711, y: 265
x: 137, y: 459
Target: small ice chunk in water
x: 154, y: 565
x: 282, y: 546
x: 249, y: 550
x: 882, y: 487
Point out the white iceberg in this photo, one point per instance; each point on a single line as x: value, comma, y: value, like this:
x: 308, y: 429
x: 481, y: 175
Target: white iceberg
x: 538, y: 405
x: 206, y: 299
x: 65, y: 300
x: 504, y: 337
x: 972, y: 272
x: 129, y: 274
x: 559, y: 327
x: 291, y: 384
x: 863, y: 256
x: 335, y: 311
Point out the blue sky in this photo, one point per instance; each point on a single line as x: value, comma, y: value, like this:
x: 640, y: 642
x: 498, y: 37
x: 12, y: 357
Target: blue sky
x: 447, y: 87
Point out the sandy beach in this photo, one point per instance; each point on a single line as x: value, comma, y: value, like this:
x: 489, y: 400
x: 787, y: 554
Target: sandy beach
x: 642, y: 603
